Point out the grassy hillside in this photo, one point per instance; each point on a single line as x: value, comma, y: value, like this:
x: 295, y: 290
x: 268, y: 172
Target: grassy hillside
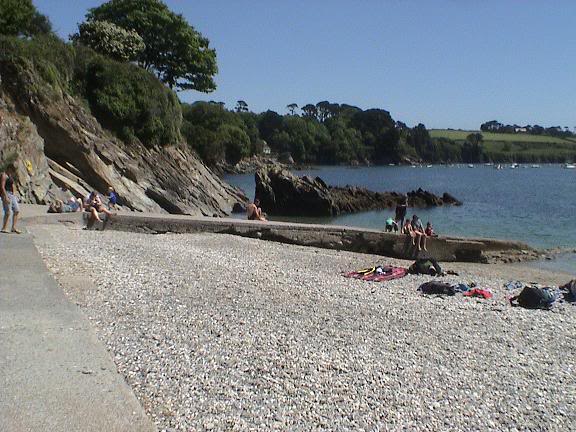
x: 517, y: 147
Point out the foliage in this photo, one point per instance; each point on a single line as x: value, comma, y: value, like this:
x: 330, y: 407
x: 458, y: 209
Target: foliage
x: 132, y: 102
x: 110, y: 40
x: 179, y: 55
x: 47, y: 58
x: 509, y: 147
x: 215, y: 133
x: 21, y: 18
x: 235, y: 142
x: 555, y: 131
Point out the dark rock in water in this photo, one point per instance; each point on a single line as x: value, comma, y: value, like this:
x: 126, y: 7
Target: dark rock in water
x: 282, y: 193
x: 450, y: 200
x: 422, y: 198
x: 238, y: 208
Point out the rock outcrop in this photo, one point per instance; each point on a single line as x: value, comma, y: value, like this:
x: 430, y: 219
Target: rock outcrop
x: 85, y: 156
x: 282, y: 193
x: 21, y: 146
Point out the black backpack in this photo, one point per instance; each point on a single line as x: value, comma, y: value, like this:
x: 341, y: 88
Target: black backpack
x: 533, y: 298
x: 434, y: 287
x: 427, y: 266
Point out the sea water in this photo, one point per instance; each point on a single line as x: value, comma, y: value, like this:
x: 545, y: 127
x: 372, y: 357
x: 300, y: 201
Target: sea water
x: 533, y: 205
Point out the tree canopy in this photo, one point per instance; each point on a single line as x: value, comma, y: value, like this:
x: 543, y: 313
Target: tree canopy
x: 110, y: 40
x: 179, y: 55
x: 21, y: 18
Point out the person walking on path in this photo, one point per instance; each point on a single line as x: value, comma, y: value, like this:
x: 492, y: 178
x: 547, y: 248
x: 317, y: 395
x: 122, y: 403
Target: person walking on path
x: 9, y: 200
x: 401, y: 208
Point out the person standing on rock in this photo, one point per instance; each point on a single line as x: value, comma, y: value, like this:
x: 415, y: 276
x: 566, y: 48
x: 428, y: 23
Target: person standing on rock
x: 401, y: 208
x: 9, y: 200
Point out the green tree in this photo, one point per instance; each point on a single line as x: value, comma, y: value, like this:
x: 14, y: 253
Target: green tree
x: 179, y: 55
x: 235, y: 142
x: 110, y: 40
x: 310, y: 111
x: 241, y: 106
x: 292, y: 108
x: 20, y: 17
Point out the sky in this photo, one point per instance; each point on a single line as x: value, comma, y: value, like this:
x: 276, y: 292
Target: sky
x: 444, y: 63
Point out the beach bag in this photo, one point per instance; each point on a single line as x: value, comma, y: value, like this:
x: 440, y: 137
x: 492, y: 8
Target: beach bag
x: 533, y: 298
x: 435, y: 287
x: 569, y: 291
x: 427, y: 266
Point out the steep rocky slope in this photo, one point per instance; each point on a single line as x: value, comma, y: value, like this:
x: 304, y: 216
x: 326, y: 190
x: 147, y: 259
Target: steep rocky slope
x: 39, y: 120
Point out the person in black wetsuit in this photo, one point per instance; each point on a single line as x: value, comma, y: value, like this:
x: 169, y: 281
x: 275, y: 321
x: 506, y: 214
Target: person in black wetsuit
x: 9, y: 200
x: 401, y: 208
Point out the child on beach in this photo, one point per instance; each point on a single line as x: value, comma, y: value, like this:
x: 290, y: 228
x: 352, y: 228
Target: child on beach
x: 112, y: 198
x: 429, y: 231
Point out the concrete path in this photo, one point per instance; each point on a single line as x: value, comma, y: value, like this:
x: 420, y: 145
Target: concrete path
x: 54, y: 373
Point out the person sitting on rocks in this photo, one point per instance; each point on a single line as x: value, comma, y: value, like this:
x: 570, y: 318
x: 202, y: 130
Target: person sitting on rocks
x: 391, y: 225
x: 88, y: 200
x: 96, y: 207
x: 254, y: 212
x: 407, y: 229
x: 429, y: 231
x: 419, y: 232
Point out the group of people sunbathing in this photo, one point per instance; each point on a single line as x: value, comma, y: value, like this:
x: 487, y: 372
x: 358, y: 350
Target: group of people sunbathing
x: 93, y: 203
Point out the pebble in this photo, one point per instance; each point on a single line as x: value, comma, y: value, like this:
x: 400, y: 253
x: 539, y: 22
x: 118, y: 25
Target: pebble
x: 217, y: 332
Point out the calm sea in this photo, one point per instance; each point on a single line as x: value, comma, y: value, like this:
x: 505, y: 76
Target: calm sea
x: 533, y: 205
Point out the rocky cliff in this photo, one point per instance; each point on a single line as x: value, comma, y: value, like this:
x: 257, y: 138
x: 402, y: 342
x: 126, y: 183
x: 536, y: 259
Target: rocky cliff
x: 55, y: 142
x: 282, y: 193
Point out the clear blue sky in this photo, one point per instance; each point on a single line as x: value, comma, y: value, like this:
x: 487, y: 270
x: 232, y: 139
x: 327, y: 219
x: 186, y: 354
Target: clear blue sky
x: 445, y: 63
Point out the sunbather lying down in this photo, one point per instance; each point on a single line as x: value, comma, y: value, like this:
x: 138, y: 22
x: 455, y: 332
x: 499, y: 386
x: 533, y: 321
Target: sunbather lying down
x: 70, y: 206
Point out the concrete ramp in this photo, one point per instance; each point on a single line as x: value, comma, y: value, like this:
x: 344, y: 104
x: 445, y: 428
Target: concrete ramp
x: 54, y: 373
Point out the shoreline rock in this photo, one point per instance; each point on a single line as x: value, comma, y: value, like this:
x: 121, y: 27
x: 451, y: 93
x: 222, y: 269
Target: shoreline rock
x: 282, y: 193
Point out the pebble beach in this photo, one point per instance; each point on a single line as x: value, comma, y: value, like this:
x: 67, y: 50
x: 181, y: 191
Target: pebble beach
x: 217, y: 332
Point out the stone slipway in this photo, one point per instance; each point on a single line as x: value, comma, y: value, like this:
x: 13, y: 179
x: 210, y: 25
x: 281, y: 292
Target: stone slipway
x: 54, y: 373
x: 324, y: 236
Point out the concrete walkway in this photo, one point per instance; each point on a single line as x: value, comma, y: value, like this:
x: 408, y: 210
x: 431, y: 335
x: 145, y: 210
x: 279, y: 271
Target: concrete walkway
x: 54, y: 373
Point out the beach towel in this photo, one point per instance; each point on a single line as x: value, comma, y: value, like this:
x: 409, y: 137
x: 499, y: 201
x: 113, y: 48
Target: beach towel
x: 377, y: 273
x: 477, y: 292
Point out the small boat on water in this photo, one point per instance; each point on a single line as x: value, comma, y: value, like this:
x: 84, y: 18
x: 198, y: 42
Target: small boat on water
x: 514, y: 165
x: 428, y: 166
x: 498, y: 167
x: 470, y: 166
x: 569, y: 166
x: 535, y: 166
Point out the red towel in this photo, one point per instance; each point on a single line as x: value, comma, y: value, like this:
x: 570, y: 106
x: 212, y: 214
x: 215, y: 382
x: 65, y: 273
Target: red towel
x: 477, y: 292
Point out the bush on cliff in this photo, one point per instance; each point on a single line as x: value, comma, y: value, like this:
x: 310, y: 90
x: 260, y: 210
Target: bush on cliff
x: 132, y: 102
x: 124, y: 98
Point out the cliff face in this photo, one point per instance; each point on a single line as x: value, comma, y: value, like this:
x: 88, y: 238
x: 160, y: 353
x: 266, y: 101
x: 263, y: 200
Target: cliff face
x: 66, y: 146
